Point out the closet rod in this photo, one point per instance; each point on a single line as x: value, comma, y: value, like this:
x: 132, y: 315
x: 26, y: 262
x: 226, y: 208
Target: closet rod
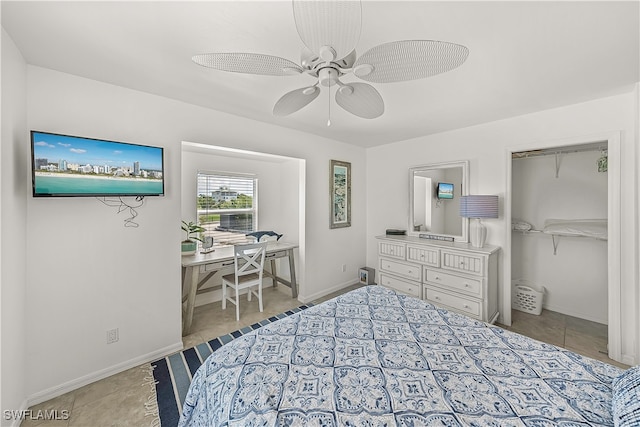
x: 560, y: 150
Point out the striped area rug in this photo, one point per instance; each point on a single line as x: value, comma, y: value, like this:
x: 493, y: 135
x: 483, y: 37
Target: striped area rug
x: 172, y: 374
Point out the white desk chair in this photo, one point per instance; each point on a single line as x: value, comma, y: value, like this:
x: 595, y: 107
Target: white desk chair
x: 248, y: 266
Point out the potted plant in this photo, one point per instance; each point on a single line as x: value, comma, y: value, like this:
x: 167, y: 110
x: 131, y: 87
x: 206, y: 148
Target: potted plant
x: 189, y: 245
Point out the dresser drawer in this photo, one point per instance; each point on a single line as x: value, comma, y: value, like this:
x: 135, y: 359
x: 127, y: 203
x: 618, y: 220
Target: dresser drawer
x: 410, y: 271
x: 400, y: 285
x: 423, y: 255
x: 391, y: 249
x: 463, y: 305
x: 469, y: 286
x: 472, y: 264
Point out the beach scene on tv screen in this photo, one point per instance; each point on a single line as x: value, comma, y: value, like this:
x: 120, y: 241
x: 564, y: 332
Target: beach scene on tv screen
x: 445, y: 191
x: 75, y: 166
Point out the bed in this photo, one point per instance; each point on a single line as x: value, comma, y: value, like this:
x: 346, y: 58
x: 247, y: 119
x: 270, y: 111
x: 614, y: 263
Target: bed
x: 374, y: 357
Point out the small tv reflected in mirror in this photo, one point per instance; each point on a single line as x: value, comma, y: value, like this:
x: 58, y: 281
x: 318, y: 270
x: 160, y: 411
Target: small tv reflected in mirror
x: 445, y: 190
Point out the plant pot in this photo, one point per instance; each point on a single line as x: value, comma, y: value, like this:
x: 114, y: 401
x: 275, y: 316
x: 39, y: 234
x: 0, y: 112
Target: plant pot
x: 189, y: 247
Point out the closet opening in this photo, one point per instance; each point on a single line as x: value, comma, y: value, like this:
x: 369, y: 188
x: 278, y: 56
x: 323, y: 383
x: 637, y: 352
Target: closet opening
x: 563, y: 200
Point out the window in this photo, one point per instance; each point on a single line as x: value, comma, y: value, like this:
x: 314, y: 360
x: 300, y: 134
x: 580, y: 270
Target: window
x: 227, y: 205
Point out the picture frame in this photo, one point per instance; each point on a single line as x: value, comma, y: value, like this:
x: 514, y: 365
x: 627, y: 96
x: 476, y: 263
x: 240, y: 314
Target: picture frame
x: 339, y: 194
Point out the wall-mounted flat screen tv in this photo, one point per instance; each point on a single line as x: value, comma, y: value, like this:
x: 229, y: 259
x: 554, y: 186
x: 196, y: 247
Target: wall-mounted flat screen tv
x: 445, y: 190
x: 64, y: 165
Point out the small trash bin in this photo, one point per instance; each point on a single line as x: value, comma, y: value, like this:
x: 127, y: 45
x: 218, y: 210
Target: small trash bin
x: 367, y: 276
x: 527, y: 296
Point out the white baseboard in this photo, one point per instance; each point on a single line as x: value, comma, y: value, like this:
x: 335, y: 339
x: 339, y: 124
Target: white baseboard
x: 573, y: 313
x: 308, y: 298
x: 50, y: 393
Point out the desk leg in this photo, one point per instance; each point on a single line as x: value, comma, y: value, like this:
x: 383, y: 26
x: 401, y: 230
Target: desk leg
x: 275, y: 274
x: 191, y: 299
x: 292, y: 271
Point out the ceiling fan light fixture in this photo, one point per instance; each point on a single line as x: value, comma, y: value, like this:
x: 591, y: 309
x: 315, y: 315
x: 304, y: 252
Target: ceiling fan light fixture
x: 328, y: 76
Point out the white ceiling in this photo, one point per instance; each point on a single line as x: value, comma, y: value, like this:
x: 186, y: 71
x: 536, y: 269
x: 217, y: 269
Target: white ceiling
x: 524, y: 56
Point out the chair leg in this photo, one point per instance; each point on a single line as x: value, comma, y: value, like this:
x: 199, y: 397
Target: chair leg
x: 260, y: 296
x: 249, y: 294
x: 237, y: 305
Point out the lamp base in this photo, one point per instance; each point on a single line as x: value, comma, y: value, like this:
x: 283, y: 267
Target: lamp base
x: 477, y: 233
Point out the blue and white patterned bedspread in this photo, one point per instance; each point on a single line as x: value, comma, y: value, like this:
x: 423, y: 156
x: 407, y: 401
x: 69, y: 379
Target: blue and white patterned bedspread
x: 372, y: 357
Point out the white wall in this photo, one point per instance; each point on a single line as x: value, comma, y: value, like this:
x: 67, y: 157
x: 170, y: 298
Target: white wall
x: 485, y: 146
x: 88, y: 273
x: 575, y: 278
x: 278, y: 197
x: 14, y: 156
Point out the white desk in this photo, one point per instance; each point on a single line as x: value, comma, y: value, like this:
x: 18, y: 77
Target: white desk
x: 206, y: 265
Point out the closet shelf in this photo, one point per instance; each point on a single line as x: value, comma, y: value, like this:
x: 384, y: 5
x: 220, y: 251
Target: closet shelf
x: 556, y: 228
x: 592, y: 228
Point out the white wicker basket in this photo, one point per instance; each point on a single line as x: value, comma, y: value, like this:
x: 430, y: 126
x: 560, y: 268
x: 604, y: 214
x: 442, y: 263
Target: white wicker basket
x: 527, y: 297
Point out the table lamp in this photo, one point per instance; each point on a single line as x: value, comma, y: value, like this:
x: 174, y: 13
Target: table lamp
x: 477, y: 207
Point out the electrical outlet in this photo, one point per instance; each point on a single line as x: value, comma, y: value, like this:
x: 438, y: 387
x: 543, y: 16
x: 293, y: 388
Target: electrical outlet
x: 344, y: 267
x: 112, y: 336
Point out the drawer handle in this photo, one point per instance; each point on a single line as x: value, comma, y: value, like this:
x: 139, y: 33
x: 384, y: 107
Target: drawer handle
x: 438, y: 278
x: 437, y: 298
x: 409, y: 271
x: 466, y: 306
x: 466, y: 285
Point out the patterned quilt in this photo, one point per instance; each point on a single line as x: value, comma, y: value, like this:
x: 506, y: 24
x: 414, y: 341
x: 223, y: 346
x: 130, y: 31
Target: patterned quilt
x: 373, y: 357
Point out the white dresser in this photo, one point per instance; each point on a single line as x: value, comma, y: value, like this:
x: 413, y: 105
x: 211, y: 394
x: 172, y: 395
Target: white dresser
x: 456, y: 276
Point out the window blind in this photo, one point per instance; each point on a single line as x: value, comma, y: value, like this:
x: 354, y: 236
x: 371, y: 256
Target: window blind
x: 227, y: 203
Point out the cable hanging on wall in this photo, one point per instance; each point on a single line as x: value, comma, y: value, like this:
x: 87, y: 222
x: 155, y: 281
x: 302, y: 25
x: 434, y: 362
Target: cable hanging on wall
x: 122, y: 205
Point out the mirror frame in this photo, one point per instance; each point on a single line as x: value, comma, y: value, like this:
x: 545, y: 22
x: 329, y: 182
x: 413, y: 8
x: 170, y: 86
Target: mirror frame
x: 464, y: 164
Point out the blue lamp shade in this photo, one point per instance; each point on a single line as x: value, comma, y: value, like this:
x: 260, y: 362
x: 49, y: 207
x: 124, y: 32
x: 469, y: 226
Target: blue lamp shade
x: 479, y: 206
x: 476, y: 207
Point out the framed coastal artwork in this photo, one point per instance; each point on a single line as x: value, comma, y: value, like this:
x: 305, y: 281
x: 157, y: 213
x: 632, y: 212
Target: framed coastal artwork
x: 340, y: 194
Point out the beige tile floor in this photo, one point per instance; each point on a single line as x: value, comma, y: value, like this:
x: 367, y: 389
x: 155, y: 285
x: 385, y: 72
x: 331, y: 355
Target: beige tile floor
x: 120, y: 400
x: 575, y: 334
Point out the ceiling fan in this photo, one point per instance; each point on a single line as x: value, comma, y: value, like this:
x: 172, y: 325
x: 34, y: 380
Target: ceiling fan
x: 330, y: 30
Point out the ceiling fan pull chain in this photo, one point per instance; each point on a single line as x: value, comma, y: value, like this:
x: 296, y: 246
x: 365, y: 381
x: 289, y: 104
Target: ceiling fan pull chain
x: 329, y: 115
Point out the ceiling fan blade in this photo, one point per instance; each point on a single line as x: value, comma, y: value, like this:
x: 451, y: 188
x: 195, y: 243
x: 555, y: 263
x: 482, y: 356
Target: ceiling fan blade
x: 328, y: 23
x: 249, y: 63
x: 364, y: 101
x: 295, y: 100
x: 408, y: 60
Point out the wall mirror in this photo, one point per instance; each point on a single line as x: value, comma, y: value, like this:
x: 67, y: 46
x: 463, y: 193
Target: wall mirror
x: 434, y: 200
